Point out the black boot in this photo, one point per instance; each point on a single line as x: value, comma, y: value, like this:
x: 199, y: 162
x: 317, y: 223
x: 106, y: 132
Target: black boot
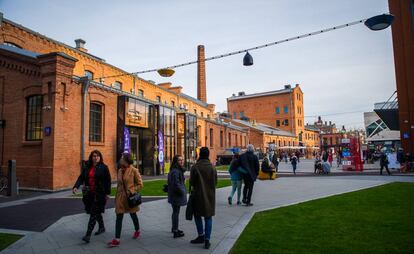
x: 178, y: 233
x: 199, y: 239
x: 86, y: 238
x: 207, y: 244
x: 100, y: 231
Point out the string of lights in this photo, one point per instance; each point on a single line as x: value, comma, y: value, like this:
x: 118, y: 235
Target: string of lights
x: 243, y: 50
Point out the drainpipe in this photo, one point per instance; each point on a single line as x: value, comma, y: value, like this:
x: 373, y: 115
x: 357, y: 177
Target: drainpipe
x: 85, y: 86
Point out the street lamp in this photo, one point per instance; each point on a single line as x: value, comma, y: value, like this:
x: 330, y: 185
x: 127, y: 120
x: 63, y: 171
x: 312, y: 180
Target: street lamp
x: 379, y: 22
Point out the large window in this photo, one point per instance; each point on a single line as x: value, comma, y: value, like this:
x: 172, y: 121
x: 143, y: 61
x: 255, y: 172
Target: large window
x: 277, y: 122
x: 140, y: 93
x: 234, y: 115
x: 221, y: 138
x: 95, y: 122
x: 158, y: 98
x: 34, y: 117
x: 285, y: 109
x: 89, y: 74
x: 211, y: 137
x: 286, y: 122
x: 241, y: 114
x: 277, y: 110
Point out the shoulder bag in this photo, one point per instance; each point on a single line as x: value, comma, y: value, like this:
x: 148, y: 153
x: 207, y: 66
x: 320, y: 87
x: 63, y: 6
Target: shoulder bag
x: 133, y: 199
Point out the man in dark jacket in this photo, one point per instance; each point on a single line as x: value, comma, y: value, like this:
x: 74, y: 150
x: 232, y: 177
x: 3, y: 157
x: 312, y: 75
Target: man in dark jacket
x: 203, y: 180
x: 384, y: 162
x: 250, y: 163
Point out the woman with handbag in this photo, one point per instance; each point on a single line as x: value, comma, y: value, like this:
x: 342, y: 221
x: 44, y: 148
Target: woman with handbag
x: 96, y: 181
x: 177, y: 193
x: 127, y: 198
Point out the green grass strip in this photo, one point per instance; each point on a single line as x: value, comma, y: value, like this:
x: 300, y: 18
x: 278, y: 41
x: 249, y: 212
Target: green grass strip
x: 7, y: 239
x: 375, y: 220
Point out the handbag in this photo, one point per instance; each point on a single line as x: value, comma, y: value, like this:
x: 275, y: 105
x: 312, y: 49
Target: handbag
x: 134, y: 199
x: 189, y: 212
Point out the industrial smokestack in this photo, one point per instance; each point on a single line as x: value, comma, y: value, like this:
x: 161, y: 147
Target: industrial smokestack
x: 201, y: 74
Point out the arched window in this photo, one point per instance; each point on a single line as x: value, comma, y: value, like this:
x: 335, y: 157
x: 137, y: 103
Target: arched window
x: 89, y: 74
x: 95, y: 122
x: 34, y: 117
x: 140, y: 93
x: 117, y: 85
x: 11, y: 44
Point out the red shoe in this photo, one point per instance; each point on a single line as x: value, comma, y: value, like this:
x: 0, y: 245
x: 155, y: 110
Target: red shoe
x: 136, y: 234
x: 114, y: 243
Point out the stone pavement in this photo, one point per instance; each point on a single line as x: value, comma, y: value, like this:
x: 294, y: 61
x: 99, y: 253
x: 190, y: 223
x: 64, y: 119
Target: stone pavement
x: 64, y: 236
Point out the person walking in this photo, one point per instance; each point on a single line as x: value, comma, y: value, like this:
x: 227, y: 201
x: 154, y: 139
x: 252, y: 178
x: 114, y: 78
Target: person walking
x: 297, y: 153
x: 129, y: 183
x: 294, y: 162
x: 275, y: 161
x: 96, y: 181
x: 384, y: 162
x: 330, y: 159
x: 203, y: 180
x: 250, y: 164
x: 236, y: 179
x: 177, y: 193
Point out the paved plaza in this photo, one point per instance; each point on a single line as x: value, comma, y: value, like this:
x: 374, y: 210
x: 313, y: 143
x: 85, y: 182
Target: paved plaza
x: 64, y: 236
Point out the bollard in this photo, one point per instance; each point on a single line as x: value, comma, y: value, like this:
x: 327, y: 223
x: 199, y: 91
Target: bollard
x: 12, y: 185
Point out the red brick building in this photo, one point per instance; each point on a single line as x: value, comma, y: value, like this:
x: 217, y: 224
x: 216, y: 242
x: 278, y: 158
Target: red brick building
x: 54, y: 112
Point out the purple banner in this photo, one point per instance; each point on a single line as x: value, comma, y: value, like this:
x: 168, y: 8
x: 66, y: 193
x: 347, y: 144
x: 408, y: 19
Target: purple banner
x: 127, y: 141
x: 161, y: 148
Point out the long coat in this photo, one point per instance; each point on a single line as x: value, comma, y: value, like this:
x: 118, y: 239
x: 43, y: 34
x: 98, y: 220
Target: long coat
x: 250, y: 162
x: 203, y: 180
x: 177, y: 193
x: 95, y: 202
x: 132, y: 180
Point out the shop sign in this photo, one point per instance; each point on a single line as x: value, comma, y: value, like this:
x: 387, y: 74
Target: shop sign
x: 346, y: 141
x: 136, y: 113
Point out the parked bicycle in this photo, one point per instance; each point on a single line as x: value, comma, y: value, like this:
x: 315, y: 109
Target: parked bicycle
x: 3, y: 181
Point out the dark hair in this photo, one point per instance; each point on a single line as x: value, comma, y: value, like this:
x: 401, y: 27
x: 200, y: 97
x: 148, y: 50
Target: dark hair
x: 174, y: 163
x: 204, y: 153
x: 90, y: 162
x: 236, y: 155
x: 128, y: 158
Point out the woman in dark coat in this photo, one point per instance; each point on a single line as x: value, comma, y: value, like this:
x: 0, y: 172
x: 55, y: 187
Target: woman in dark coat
x: 96, y: 181
x: 203, y: 180
x: 177, y: 193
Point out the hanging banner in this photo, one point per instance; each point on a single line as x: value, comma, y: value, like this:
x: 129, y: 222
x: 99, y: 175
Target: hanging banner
x: 127, y: 141
x: 161, y: 148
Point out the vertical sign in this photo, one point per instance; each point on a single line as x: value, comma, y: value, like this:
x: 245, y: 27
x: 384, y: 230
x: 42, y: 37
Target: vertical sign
x: 161, y: 148
x: 127, y: 141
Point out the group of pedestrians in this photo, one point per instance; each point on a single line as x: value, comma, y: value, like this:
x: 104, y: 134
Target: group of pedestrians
x: 96, y: 181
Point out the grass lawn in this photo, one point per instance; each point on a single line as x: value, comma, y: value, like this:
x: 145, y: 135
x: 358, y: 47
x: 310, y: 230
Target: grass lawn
x: 222, y: 168
x: 7, y: 239
x: 375, y: 220
x: 154, y: 188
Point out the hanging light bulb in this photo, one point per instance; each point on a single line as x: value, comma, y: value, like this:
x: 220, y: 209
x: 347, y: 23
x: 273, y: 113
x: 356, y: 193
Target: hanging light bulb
x: 247, y: 59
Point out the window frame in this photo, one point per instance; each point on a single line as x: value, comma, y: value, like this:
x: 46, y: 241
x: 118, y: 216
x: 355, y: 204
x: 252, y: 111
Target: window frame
x: 35, y: 112
x: 93, y: 133
x: 90, y: 77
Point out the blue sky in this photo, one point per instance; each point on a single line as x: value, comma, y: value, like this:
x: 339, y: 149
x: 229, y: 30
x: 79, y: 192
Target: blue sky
x: 341, y: 71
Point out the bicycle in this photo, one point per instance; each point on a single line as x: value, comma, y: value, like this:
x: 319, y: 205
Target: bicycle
x: 3, y: 181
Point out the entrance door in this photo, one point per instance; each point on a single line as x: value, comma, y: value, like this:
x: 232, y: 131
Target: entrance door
x: 135, y: 150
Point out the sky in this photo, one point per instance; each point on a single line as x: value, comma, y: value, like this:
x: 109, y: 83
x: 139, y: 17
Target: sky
x: 342, y: 73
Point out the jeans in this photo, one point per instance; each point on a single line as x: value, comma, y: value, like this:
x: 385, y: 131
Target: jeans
x: 236, y: 185
x: 174, y: 217
x: 248, y: 190
x: 386, y: 168
x: 208, y: 226
x: 118, y: 223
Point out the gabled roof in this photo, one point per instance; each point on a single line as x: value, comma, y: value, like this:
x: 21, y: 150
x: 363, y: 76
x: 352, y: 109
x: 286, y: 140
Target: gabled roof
x: 267, y: 129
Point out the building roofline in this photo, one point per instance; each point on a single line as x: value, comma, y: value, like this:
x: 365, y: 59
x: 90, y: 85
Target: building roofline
x: 262, y: 94
x: 200, y: 103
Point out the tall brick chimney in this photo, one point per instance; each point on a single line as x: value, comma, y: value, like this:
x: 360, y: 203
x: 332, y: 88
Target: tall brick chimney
x: 201, y: 74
